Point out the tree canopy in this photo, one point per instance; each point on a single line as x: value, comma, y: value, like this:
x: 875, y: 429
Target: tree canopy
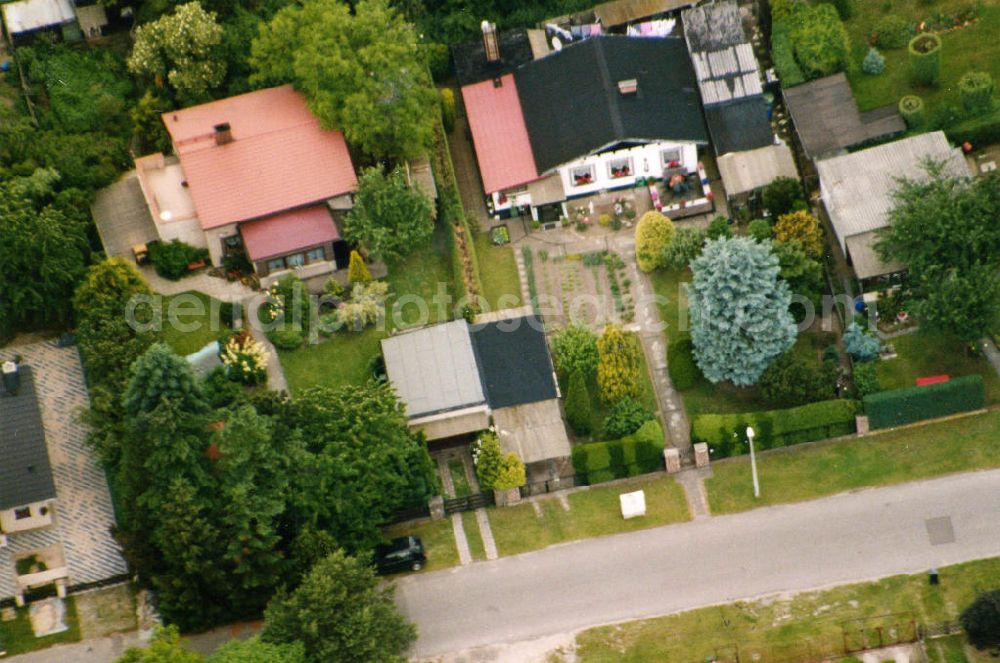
x: 340, y: 613
x: 390, y: 217
x: 944, y: 230
x: 362, y: 72
x: 740, y: 320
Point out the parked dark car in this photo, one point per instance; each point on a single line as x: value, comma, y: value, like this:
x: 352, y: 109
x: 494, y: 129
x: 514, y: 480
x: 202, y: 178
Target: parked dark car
x: 403, y: 554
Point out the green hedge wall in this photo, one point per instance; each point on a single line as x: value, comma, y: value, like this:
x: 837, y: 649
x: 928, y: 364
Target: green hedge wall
x: 681, y: 365
x: 775, y: 428
x: 981, y: 130
x: 904, y: 406
x: 783, y: 55
x: 634, y: 454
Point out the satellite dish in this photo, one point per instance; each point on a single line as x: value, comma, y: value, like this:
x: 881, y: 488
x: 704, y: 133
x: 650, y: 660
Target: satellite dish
x: 556, y: 44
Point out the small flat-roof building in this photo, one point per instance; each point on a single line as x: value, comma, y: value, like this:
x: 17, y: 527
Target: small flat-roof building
x: 857, y: 192
x: 827, y: 119
x: 455, y: 377
x: 746, y: 172
x: 25, y: 17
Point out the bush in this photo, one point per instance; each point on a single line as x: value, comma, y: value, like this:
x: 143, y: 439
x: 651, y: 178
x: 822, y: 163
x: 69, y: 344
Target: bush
x: 652, y: 235
x: 925, y: 58
x: 759, y: 229
x: 245, y: 359
x: 874, y: 63
x: 357, y: 270
x: 783, y: 55
x: 634, y: 454
x: 448, y: 109
x: 512, y: 473
x: 575, y: 349
x: 904, y: 406
x: 725, y: 433
x: 719, y: 227
x: 892, y: 31
x: 681, y: 365
x: 981, y: 620
x: 617, y: 366
x: 783, y: 195
x: 286, y: 338
x: 911, y: 107
x: 488, y: 457
x: 801, y: 226
x: 866, y: 379
x: 861, y: 346
x: 792, y: 380
x: 625, y: 418
x: 685, y: 247
x: 578, y: 407
x: 845, y: 8
x: 820, y: 40
x: 171, y: 259
x: 976, y: 90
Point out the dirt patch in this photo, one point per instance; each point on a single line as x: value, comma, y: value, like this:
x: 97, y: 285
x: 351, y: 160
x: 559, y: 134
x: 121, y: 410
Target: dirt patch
x: 105, y: 611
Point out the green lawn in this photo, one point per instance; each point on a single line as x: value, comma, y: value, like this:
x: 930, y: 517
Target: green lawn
x: 204, y: 328
x: 593, y: 512
x: 923, y: 353
x: 972, y: 48
x: 458, y: 478
x: 799, y: 627
x: 345, y: 358
x: 793, y: 474
x: 498, y: 272
x: 17, y: 637
x: 438, y: 538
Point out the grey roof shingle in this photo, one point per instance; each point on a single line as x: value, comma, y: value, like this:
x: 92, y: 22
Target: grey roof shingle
x: 25, y: 472
x: 572, y: 105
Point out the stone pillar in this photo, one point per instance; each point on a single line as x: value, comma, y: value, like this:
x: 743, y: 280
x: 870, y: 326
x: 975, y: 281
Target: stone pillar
x: 61, y: 588
x: 701, y: 455
x: 862, y: 423
x: 436, y: 505
x: 508, y: 497
x: 672, y: 458
x: 19, y: 598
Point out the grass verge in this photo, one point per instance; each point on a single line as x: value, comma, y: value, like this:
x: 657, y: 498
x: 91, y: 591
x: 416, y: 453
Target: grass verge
x: 438, y: 538
x: 801, y: 473
x: 593, y: 512
x: 806, y: 626
x: 17, y: 637
x: 473, y: 535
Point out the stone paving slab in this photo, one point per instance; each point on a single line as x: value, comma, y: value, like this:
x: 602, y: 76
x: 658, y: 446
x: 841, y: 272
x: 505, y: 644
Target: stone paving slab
x: 83, y: 510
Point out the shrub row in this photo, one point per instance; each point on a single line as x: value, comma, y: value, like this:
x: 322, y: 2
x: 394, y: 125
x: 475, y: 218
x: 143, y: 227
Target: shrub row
x: 634, y: 454
x: 904, y: 406
x: 171, y: 259
x: 788, y: 70
x: 726, y: 433
x: 978, y: 131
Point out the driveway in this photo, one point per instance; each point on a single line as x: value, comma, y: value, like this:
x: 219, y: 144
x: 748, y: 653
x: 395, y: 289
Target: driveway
x: 845, y: 538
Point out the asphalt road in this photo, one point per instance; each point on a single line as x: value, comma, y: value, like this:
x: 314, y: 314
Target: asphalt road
x: 845, y: 538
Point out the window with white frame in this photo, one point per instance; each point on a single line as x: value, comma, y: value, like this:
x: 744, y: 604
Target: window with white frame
x: 295, y: 260
x: 316, y: 255
x: 621, y: 167
x: 275, y: 264
x: 672, y: 157
x: 582, y: 175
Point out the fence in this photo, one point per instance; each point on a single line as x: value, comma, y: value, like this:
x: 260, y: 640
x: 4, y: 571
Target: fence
x: 468, y: 503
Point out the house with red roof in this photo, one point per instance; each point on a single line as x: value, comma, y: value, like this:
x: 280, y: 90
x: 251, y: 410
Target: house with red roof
x: 257, y: 174
x: 601, y: 114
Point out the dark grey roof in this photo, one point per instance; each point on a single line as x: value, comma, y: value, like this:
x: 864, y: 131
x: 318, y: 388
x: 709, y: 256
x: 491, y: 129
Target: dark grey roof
x: 572, y: 106
x: 514, y: 362
x: 827, y: 119
x: 739, y: 125
x: 470, y: 57
x: 713, y: 27
x: 25, y: 472
x: 728, y: 78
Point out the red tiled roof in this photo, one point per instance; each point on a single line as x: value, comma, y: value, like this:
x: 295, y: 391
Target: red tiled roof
x: 280, y: 157
x: 288, y: 232
x: 501, y: 139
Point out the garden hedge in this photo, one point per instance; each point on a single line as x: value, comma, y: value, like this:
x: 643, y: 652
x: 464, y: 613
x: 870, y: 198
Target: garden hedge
x: 634, y: 454
x: 681, y: 365
x: 785, y: 65
x: 775, y: 428
x: 982, y: 130
x: 925, y: 63
x: 904, y: 406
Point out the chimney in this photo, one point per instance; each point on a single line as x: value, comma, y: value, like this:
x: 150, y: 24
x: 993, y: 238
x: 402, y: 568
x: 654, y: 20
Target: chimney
x: 490, y: 41
x: 223, y: 134
x: 627, y: 87
x: 11, y: 378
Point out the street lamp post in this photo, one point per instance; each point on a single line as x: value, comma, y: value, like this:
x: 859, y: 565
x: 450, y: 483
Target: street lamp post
x: 753, y: 463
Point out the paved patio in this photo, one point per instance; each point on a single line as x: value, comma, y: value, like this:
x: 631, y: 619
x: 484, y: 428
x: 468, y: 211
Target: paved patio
x: 122, y: 216
x: 83, y: 510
